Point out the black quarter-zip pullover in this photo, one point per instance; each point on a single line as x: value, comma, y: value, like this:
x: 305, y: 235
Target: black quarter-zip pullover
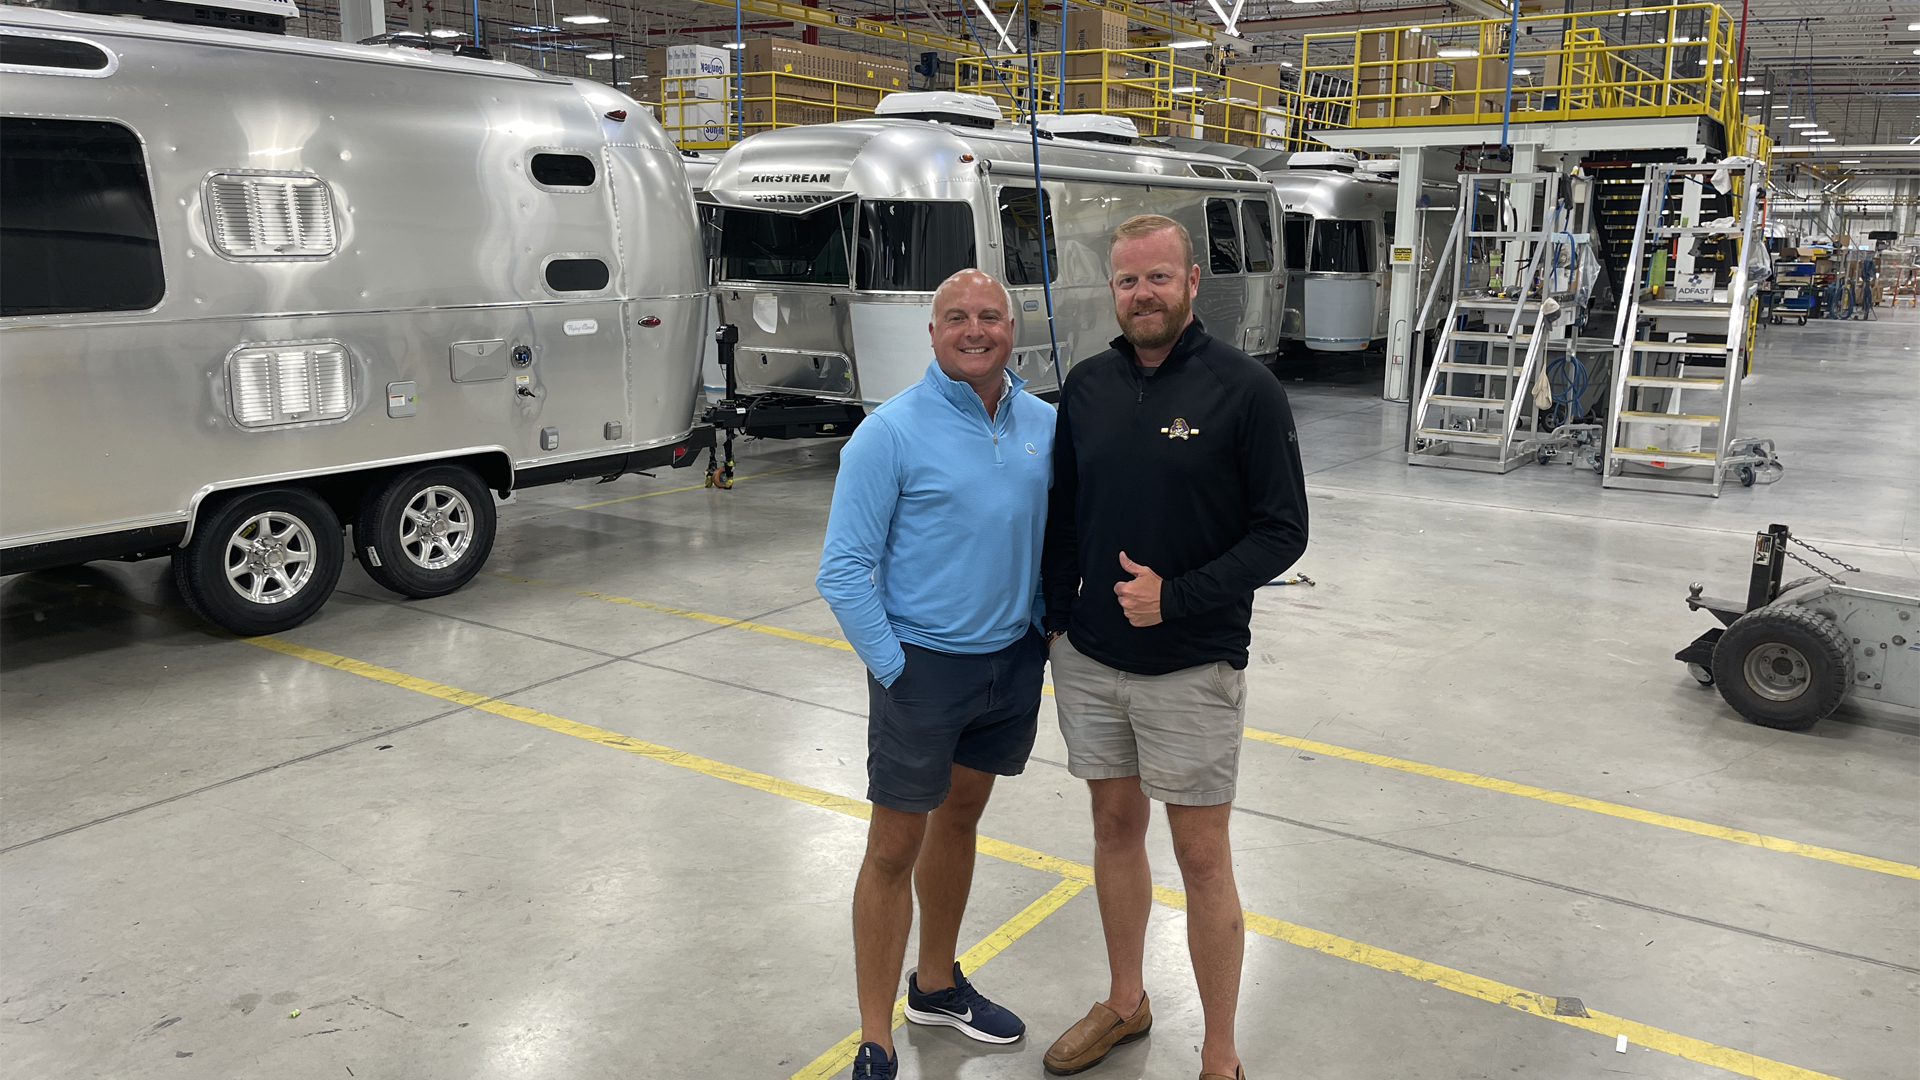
x: 1194, y: 473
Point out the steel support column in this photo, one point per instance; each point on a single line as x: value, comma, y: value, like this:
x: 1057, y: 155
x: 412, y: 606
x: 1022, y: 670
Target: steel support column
x: 1403, y: 295
x: 362, y: 19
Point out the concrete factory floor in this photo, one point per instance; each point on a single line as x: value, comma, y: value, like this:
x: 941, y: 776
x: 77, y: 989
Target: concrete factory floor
x: 576, y: 821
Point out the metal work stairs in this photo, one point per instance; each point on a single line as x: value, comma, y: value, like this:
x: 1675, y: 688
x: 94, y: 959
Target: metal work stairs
x: 1682, y: 347
x: 1474, y: 411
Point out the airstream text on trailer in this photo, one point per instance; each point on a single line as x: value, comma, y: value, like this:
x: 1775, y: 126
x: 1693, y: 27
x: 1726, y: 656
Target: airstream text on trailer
x: 832, y: 238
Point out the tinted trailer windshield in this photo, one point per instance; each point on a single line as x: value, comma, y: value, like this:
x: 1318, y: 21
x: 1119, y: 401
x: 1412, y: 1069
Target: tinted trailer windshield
x: 790, y: 249
x: 913, y: 246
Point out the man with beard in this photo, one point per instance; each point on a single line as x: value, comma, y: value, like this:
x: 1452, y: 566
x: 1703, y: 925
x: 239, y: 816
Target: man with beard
x: 1177, y: 492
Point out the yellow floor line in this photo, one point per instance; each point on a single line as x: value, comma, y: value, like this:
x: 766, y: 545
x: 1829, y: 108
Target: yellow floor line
x: 1581, y: 802
x: 1437, y: 772
x: 840, y: 1055
x: 1459, y: 982
x: 686, y: 613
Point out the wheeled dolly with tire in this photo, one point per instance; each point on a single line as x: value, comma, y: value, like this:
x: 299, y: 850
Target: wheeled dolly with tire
x: 1791, y: 653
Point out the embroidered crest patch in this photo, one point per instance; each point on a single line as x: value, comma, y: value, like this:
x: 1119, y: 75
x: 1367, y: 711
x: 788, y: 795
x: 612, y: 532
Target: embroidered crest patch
x: 1179, y: 430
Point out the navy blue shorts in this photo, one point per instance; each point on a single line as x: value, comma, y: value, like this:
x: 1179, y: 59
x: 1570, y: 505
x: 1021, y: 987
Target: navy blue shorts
x: 950, y: 709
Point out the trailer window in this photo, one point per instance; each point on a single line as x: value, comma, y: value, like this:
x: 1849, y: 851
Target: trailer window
x: 913, y: 246
x: 1299, y: 228
x: 18, y: 50
x: 563, y: 170
x: 1223, y: 237
x: 795, y: 249
x: 1258, y: 222
x: 1342, y: 247
x: 1020, y: 212
x: 77, y: 230
x: 577, y: 275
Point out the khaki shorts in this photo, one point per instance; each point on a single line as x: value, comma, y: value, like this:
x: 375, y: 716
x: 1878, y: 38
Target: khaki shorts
x: 1180, y: 733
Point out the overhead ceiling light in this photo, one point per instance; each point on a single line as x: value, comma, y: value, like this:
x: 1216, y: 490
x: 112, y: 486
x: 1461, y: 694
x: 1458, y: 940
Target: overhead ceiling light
x: 584, y: 20
x: 1823, y: 140
x: 1186, y: 44
x: 1413, y: 29
x: 1523, y: 71
x: 1913, y: 26
x: 1286, y: 63
x: 1805, y: 124
x: 1754, y: 91
x: 1457, y: 52
x: 735, y: 45
x: 1820, y: 131
x: 1849, y: 161
x: 606, y: 56
x: 1185, y: 90
x: 443, y: 32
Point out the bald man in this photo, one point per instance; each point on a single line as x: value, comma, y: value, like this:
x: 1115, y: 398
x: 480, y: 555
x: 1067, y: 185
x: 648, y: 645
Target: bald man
x: 932, y: 565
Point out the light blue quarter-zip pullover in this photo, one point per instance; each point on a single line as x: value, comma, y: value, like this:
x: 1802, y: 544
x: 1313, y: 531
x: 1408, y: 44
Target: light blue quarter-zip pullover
x: 937, y: 521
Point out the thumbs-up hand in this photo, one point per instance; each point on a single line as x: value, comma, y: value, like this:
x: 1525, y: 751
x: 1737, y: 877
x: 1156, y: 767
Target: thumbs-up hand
x: 1139, y: 598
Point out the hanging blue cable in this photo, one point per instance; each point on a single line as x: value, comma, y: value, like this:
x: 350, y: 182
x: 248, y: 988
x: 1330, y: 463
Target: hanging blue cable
x: 1513, y: 43
x: 739, y: 88
x: 1040, y: 193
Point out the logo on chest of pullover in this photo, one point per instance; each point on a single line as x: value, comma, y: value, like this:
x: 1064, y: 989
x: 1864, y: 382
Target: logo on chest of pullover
x: 1179, y: 430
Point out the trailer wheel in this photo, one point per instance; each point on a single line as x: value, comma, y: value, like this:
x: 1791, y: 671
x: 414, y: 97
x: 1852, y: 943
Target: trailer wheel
x: 1783, y: 666
x: 427, y: 531
x: 263, y: 562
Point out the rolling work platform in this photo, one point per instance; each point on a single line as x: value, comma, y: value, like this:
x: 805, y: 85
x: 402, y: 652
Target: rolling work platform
x: 1509, y: 298
x: 1683, y: 344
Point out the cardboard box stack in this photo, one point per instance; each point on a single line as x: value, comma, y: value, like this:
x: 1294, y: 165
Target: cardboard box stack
x: 1412, y: 77
x: 1095, y: 28
x: 1235, y: 121
x: 810, y: 96
x: 688, y: 122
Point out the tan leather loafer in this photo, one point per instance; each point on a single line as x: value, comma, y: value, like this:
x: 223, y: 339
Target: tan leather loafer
x: 1239, y: 1073
x: 1088, y: 1042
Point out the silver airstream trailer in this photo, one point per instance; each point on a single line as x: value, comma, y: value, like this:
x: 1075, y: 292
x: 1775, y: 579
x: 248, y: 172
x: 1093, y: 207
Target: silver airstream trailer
x: 256, y: 288
x: 1339, y: 225
x: 831, y: 239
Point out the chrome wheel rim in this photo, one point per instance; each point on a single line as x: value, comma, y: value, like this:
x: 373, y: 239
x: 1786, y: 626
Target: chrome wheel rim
x: 270, y: 557
x: 436, y: 528
x: 1777, y: 672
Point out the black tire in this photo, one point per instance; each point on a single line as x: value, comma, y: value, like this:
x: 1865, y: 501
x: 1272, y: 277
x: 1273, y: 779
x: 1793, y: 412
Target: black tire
x: 1783, y: 666
x: 262, y: 562
x: 427, y: 531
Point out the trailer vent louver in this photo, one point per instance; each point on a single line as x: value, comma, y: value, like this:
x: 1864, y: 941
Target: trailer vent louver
x: 258, y: 216
x: 290, y: 384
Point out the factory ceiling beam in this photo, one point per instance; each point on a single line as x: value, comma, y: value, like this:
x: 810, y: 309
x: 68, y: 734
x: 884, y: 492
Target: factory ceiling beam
x: 892, y: 30
x: 793, y: 11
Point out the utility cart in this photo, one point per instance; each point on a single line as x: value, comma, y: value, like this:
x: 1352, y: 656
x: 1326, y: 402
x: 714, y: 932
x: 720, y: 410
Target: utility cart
x: 1791, y: 652
x: 1793, y: 292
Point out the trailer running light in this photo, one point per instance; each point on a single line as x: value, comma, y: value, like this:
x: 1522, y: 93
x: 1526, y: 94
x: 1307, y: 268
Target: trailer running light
x: 294, y: 384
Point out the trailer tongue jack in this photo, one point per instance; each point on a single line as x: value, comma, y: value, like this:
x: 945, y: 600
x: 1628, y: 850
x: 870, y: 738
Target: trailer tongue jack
x: 767, y: 416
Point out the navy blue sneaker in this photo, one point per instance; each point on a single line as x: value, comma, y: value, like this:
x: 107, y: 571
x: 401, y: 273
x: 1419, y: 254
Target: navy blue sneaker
x: 872, y: 1063
x: 961, y: 1006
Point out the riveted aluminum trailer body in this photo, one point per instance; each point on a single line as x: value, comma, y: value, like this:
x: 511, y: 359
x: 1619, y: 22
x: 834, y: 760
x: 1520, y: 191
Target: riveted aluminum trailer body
x: 475, y: 261
x: 1339, y: 226
x: 832, y: 238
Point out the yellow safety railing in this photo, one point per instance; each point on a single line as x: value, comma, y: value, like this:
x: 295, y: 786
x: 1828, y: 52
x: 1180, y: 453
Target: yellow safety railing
x: 1155, y: 89
x: 706, y: 113
x: 1676, y: 60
